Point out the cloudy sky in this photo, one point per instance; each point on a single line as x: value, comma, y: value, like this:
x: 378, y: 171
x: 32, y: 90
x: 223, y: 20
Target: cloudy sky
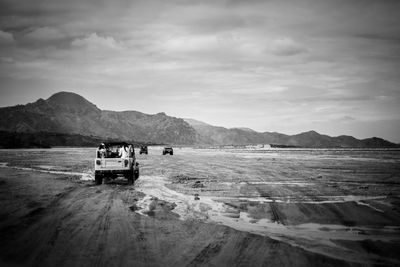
x: 288, y: 66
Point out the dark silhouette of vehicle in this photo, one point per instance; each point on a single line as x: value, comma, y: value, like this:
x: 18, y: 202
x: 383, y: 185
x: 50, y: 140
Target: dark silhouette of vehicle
x: 143, y: 150
x: 116, y: 159
x: 168, y: 150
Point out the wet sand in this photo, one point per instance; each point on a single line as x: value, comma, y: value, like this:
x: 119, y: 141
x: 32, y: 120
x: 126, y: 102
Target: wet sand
x: 200, y: 209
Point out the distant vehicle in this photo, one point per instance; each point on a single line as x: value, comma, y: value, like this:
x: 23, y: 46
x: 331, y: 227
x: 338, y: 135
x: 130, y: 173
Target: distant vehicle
x: 168, y: 150
x: 116, y: 159
x: 143, y: 150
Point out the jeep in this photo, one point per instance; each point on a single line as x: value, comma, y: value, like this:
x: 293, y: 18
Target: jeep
x: 143, y: 150
x: 168, y: 150
x: 116, y: 159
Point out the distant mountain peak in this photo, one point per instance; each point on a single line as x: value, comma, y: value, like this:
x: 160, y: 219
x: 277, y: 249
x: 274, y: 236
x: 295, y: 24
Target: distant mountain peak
x: 70, y: 99
x: 194, y: 122
x: 245, y: 129
x: 312, y: 132
x: 65, y: 95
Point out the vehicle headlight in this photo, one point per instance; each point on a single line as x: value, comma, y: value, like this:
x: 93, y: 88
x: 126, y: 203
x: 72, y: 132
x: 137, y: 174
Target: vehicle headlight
x: 98, y: 162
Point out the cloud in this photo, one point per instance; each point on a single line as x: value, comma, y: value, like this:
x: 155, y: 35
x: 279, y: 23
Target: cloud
x: 191, y: 43
x: 347, y: 119
x: 6, y: 59
x: 286, y: 47
x: 280, y: 58
x: 6, y: 38
x: 44, y: 34
x: 96, y: 42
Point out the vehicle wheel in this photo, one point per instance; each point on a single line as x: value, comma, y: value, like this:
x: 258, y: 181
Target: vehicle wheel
x: 131, y: 178
x: 98, y: 178
x: 136, y: 174
x: 172, y: 153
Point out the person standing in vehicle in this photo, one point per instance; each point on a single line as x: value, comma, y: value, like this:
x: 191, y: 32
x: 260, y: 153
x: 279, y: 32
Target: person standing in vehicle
x: 102, y: 151
x: 123, y: 152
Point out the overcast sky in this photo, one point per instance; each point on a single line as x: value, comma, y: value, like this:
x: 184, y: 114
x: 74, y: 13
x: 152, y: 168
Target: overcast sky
x: 288, y: 66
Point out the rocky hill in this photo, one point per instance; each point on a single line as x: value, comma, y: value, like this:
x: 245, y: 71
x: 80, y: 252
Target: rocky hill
x: 72, y: 114
x: 75, y: 118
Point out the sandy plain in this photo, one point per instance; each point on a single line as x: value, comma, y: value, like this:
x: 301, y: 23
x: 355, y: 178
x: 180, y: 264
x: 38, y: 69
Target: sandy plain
x: 202, y: 207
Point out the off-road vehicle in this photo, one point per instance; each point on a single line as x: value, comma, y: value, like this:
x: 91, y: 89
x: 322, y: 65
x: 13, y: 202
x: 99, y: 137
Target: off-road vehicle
x: 168, y: 150
x: 143, y: 150
x: 116, y: 159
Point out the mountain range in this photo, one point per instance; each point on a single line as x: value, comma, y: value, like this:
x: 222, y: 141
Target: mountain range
x: 66, y: 113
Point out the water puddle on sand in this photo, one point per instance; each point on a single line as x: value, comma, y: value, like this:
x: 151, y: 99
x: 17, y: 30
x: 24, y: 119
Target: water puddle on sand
x: 294, y: 183
x: 312, y: 237
x: 85, y: 176
x: 51, y: 167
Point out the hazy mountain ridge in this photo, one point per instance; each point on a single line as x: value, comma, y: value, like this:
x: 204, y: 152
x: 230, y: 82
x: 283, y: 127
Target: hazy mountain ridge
x: 223, y: 136
x: 71, y: 114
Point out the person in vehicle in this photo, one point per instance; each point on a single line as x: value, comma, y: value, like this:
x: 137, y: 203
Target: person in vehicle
x: 124, y: 152
x: 108, y: 152
x: 102, y: 151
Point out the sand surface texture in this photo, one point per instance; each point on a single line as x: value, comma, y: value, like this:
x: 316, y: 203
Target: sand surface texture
x: 202, y: 207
